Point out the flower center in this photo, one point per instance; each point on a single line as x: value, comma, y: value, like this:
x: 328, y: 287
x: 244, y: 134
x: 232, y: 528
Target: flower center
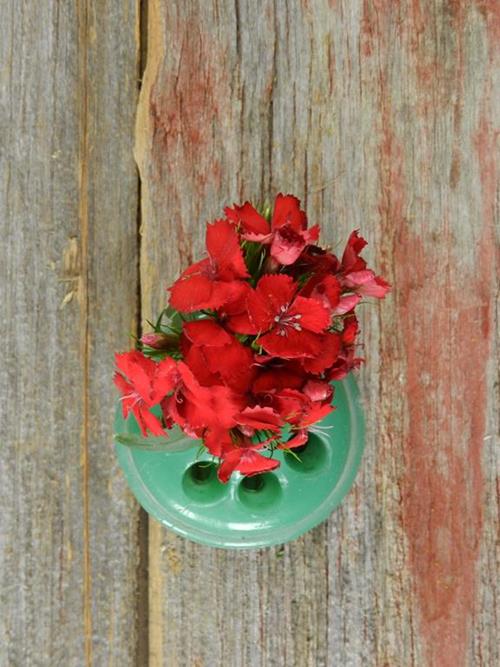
x: 132, y: 396
x: 285, y: 321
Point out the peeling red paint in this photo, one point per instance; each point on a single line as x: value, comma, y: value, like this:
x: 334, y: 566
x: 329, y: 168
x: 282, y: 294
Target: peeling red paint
x: 444, y: 315
x: 485, y: 142
x: 187, y: 102
x: 447, y: 353
x: 367, y: 30
x: 490, y: 10
x: 438, y: 73
x: 187, y: 107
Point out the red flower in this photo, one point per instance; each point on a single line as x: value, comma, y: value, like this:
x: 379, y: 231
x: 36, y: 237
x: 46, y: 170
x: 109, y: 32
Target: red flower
x: 351, y: 330
x: 366, y: 283
x: 318, y: 391
x: 298, y: 409
x: 316, y: 261
x: 273, y: 378
x: 346, y: 362
x: 259, y: 418
x: 351, y: 261
x: 287, y: 234
x: 347, y: 303
x: 217, y: 357
x: 356, y: 277
x: 144, y: 384
x: 215, y: 280
x: 258, y: 367
x: 195, y: 408
x: 325, y: 289
x: 330, y: 349
x: 288, y: 325
x: 299, y: 439
x: 301, y: 411
x: 245, y: 459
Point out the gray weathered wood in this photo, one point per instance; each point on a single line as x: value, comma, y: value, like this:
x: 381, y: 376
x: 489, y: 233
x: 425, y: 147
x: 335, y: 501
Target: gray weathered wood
x: 68, y: 286
x: 380, y: 116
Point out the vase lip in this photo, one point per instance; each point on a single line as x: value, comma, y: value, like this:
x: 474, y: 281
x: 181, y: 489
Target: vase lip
x: 241, y: 519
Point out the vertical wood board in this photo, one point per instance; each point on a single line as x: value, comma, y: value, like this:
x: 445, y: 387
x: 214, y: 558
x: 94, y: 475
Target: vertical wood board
x: 68, y: 198
x: 380, y: 116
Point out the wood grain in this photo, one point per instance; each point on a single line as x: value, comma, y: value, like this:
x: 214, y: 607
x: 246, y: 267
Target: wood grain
x: 380, y: 116
x: 68, y: 196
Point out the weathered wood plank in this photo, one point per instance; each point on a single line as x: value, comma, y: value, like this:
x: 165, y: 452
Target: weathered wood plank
x: 380, y: 116
x: 431, y: 70
x: 68, y: 286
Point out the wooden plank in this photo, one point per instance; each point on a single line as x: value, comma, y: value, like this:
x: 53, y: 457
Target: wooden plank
x: 68, y: 194
x: 380, y: 116
x: 431, y: 70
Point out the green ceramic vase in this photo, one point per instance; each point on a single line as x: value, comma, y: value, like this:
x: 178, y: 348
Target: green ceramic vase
x: 182, y: 491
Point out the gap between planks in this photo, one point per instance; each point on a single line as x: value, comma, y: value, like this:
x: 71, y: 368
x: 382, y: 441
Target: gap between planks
x: 142, y: 599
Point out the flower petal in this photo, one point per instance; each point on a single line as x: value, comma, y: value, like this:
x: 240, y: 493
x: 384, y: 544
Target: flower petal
x: 245, y: 460
x: 260, y: 418
x: 318, y: 390
x: 206, y: 332
x: 165, y: 379
x: 224, y: 249
x: 234, y: 314
x: 367, y: 283
x: 191, y: 293
x: 325, y: 289
x: 248, y: 219
x: 253, y: 463
x: 316, y: 414
x: 275, y: 380
x: 294, y: 345
x: 314, y: 316
x: 350, y: 259
x: 216, y: 440
x: 351, y: 330
x: 287, y: 245
x: 233, y: 363
x: 346, y: 304
x: 297, y: 441
x: 139, y: 370
x: 148, y: 421
x: 196, y: 360
x: 330, y: 348
x: 271, y: 297
x: 287, y: 211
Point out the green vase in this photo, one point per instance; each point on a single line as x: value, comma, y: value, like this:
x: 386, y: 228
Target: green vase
x: 182, y: 491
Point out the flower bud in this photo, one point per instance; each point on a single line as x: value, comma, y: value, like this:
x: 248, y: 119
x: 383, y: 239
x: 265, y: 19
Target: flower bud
x: 160, y: 341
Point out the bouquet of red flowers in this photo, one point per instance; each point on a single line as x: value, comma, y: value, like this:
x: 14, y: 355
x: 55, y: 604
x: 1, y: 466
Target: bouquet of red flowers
x: 244, y: 356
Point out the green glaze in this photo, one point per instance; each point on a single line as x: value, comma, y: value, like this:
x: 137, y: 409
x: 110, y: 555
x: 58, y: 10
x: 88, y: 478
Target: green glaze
x: 183, y: 492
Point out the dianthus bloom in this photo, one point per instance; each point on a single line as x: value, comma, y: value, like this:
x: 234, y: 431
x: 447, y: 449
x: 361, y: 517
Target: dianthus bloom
x: 255, y: 333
